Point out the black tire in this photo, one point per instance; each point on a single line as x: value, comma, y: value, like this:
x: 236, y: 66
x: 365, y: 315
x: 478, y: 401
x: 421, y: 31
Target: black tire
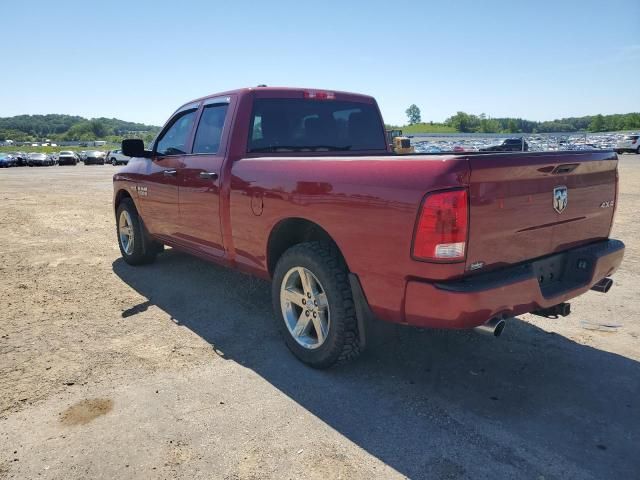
x: 638, y: 151
x: 144, y: 249
x: 325, y: 262
x: 114, y: 162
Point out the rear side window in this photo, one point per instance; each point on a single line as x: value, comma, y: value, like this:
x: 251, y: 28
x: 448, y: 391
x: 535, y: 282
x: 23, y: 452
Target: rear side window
x: 209, y: 130
x: 174, y: 140
x: 293, y: 125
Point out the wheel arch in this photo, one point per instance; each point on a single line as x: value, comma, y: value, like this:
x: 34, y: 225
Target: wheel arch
x: 292, y: 231
x: 120, y: 196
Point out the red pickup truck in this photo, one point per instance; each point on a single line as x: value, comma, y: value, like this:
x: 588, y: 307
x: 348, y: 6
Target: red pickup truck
x: 300, y: 186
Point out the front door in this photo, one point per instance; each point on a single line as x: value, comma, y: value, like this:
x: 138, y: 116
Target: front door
x: 200, y: 180
x: 158, y: 191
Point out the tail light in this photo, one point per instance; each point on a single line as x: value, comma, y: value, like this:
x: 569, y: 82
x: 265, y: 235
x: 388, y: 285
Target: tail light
x: 441, y: 230
x: 316, y: 95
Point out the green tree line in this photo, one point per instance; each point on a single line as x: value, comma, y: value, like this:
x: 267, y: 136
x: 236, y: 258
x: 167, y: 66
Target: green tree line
x: 56, y: 127
x: 470, y: 123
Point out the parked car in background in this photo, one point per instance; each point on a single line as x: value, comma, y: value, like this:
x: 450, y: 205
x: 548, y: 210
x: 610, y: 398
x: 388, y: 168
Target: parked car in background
x: 7, y: 160
x: 629, y: 144
x: 116, y: 157
x: 39, y: 160
x: 20, y: 158
x: 83, y: 155
x: 94, y: 157
x: 67, y: 158
x: 509, y: 145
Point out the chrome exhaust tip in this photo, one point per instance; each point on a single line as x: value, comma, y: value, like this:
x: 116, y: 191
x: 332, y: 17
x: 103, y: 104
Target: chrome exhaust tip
x: 494, y: 326
x: 603, y: 286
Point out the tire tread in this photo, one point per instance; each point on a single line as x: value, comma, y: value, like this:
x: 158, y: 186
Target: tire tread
x: 145, y: 251
x: 346, y: 344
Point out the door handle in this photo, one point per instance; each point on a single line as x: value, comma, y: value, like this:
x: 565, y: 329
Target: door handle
x: 208, y: 175
x: 170, y: 173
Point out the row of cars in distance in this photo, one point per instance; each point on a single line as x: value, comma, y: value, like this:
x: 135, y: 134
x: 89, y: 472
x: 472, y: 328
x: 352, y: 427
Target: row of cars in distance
x: 26, y: 160
x: 68, y: 157
x: 621, y: 143
x: 97, y: 157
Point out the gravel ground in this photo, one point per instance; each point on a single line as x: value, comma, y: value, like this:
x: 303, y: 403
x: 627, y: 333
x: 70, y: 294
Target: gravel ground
x: 175, y: 370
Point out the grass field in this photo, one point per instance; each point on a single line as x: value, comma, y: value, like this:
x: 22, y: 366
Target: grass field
x: 426, y: 128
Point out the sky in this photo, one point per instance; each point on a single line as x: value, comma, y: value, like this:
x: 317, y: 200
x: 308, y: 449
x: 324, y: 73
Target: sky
x: 139, y: 60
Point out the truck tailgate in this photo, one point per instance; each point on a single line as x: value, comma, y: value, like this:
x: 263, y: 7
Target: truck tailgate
x: 518, y: 209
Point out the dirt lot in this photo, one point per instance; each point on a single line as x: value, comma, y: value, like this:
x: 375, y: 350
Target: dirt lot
x: 175, y: 371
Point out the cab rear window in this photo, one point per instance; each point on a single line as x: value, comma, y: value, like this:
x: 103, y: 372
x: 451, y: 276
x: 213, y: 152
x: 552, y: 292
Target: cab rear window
x: 298, y: 125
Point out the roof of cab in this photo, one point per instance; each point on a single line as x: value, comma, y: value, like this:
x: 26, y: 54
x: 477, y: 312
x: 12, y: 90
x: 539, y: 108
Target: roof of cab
x: 289, y: 90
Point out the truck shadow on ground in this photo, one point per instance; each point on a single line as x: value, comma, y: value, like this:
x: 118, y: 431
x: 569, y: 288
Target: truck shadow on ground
x: 438, y: 404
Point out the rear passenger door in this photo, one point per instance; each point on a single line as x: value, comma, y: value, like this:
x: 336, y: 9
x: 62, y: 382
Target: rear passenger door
x: 200, y: 179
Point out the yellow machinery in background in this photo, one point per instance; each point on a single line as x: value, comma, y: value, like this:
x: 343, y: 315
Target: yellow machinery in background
x: 399, y: 143
x: 402, y: 145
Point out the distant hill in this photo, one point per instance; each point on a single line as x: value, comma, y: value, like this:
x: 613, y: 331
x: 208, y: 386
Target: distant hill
x: 58, y: 127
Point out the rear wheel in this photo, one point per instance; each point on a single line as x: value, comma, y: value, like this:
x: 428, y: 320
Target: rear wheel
x: 314, y: 305
x: 136, y: 247
x: 638, y: 150
x: 114, y: 162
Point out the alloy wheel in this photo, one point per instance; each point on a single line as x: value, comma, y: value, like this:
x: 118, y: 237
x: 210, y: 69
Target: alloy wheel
x: 305, y: 308
x: 125, y: 231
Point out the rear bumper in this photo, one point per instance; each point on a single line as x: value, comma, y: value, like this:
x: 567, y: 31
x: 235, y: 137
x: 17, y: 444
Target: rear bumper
x: 511, y: 291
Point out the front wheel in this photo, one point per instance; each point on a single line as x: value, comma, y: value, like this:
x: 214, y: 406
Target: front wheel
x: 314, y: 306
x: 113, y: 162
x: 135, y: 245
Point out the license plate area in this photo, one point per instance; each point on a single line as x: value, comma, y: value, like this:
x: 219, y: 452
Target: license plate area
x: 562, y: 272
x: 550, y: 273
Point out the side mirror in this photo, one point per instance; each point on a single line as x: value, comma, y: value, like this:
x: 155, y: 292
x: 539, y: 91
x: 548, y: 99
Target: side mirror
x: 134, y: 147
